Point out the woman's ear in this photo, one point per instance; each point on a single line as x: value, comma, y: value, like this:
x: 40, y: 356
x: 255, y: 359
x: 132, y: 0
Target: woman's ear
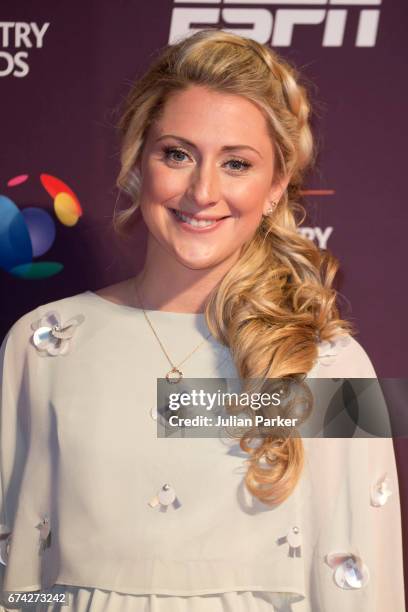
x: 275, y: 195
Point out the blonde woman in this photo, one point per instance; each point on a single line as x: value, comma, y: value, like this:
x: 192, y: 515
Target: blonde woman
x: 96, y: 508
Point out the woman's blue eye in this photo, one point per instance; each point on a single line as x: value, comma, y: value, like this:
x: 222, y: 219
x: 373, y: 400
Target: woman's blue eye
x: 169, y: 151
x: 244, y: 164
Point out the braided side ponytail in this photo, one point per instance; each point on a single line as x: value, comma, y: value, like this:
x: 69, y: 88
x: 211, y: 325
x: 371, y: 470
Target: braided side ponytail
x: 277, y: 300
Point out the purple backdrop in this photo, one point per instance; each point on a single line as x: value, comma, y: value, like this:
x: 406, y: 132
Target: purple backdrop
x: 62, y: 82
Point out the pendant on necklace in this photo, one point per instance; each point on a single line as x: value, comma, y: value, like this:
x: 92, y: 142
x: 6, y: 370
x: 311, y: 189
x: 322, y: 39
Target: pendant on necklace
x: 174, y: 375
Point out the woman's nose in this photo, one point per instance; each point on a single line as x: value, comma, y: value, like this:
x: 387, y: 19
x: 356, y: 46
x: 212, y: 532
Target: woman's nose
x: 204, y: 185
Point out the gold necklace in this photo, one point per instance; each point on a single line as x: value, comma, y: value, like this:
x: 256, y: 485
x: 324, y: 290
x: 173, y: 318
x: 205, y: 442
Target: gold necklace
x: 175, y: 374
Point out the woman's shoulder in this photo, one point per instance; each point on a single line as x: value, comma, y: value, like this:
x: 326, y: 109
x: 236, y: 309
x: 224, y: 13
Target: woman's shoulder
x: 60, y: 312
x: 342, y: 357
x: 68, y: 314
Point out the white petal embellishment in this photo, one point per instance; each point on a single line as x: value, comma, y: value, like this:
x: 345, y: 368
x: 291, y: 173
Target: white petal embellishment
x: 41, y: 337
x: 327, y: 350
x: 165, y: 497
x: 48, y: 320
x: 327, y: 353
x: 343, y: 341
x: 5, y: 542
x: 154, y: 501
x: 349, y: 570
x: 50, y: 336
x: 380, y: 491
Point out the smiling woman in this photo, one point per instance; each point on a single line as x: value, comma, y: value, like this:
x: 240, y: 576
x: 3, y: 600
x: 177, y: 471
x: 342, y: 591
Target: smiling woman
x: 199, y: 201
x: 95, y: 507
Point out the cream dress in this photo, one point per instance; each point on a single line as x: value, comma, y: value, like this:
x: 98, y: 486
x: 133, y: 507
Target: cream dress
x: 96, y: 445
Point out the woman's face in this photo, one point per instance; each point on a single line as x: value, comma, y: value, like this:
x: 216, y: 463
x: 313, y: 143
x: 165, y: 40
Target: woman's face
x: 209, y: 157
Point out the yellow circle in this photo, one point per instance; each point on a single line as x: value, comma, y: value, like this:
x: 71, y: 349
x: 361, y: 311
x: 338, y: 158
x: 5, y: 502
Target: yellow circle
x: 66, y: 208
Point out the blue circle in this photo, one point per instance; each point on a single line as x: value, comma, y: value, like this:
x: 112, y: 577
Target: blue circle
x: 41, y: 228
x: 15, y: 242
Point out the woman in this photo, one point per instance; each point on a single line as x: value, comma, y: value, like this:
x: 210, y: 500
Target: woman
x: 216, y: 143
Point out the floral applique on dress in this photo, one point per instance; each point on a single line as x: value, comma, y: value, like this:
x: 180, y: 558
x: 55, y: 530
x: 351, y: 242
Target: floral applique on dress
x: 165, y: 498
x: 327, y: 350
x: 294, y: 539
x: 380, y: 491
x: 350, y: 572
x: 51, y: 336
x: 45, y: 533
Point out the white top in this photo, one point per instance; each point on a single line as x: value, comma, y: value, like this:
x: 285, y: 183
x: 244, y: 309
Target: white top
x: 79, y: 446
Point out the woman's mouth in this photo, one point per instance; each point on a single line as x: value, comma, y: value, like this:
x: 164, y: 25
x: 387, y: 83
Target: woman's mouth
x: 189, y: 222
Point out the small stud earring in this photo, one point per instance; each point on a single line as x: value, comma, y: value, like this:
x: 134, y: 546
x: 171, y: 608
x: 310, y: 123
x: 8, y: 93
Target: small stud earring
x: 270, y: 210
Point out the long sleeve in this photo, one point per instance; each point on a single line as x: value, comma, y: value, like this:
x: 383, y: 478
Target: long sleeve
x: 13, y: 429
x: 23, y: 458
x: 350, y: 521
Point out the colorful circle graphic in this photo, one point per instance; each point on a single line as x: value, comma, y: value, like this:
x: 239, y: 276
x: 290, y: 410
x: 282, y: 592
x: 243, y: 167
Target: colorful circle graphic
x: 30, y: 232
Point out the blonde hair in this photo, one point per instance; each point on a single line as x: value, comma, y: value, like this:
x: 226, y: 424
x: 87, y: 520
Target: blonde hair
x: 275, y: 304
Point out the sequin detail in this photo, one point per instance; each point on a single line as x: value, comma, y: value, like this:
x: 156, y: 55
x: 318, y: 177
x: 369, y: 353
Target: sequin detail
x: 349, y: 570
x: 45, y: 533
x: 294, y: 539
x: 50, y: 336
x: 380, y: 491
x: 165, y: 498
x: 5, y: 543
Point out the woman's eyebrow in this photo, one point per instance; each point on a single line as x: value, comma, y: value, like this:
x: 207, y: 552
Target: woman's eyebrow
x: 225, y: 148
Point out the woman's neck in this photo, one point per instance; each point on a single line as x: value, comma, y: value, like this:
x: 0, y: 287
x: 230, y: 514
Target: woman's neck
x: 162, y: 292
x: 165, y: 284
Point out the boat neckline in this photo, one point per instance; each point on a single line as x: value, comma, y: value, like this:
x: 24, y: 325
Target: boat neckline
x: 115, y: 305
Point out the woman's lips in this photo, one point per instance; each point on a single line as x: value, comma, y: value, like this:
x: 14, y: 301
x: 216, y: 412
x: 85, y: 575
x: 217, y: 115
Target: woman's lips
x: 196, y: 229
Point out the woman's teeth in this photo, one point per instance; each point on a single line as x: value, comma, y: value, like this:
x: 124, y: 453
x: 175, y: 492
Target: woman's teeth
x: 193, y: 222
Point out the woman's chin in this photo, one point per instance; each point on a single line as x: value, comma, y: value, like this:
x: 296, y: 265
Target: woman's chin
x: 197, y: 262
